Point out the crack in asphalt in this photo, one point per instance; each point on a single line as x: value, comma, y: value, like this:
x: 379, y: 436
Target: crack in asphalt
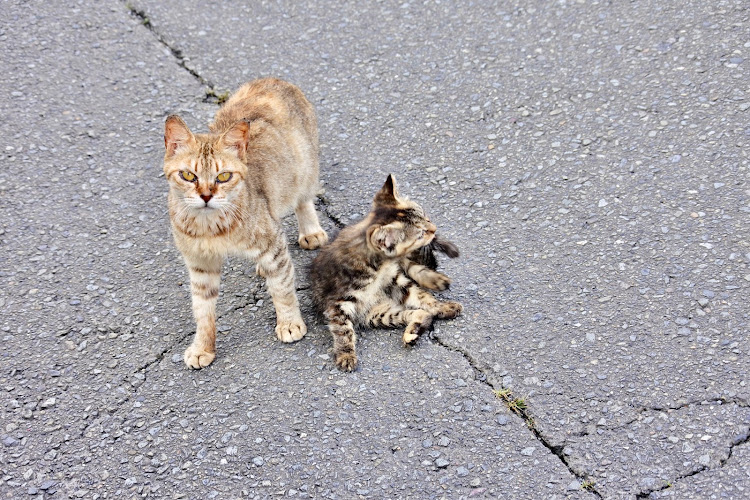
x: 737, y: 441
x: 325, y: 207
x: 145, y: 21
x: 642, y: 409
x: 481, y: 370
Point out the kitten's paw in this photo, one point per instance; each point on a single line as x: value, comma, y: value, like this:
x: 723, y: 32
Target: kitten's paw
x: 197, y: 357
x: 410, y: 338
x: 436, y: 281
x: 290, y: 331
x: 421, y: 322
x: 346, y: 361
x: 313, y: 241
x: 450, y: 309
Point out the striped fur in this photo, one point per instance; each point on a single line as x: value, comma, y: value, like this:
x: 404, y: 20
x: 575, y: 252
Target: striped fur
x: 377, y: 273
x: 228, y: 191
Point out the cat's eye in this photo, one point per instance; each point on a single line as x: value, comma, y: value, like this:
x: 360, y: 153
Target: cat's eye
x: 224, y: 177
x: 188, y: 176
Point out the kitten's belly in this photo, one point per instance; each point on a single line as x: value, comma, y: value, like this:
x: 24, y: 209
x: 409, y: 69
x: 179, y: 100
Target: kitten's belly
x: 374, y: 292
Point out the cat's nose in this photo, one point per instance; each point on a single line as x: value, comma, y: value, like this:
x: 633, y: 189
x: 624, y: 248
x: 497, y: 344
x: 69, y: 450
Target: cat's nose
x: 431, y: 228
x: 206, y: 197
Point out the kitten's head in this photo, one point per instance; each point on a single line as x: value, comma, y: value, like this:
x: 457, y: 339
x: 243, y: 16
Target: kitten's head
x: 205, y: 172
x: 398, y: 225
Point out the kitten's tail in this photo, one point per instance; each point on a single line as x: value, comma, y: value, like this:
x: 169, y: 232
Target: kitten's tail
x: 445, y: 247
x: 426, y: 254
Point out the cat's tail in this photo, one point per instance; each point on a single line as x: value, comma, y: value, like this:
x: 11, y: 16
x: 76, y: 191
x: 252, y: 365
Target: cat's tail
x: 444, y: 246
x: 426, y: 255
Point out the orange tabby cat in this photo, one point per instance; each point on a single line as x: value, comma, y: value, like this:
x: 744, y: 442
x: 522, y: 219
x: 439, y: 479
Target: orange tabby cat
x: 228, y: 191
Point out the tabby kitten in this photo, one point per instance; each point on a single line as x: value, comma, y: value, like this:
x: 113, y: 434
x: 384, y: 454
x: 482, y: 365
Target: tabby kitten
x: 228, y: 191
x: 377, y: 273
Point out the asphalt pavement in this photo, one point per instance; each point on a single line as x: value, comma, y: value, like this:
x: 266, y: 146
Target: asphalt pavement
x: 590, y: 160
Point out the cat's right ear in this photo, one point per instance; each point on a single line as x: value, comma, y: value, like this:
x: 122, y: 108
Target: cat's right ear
x: 177, y: 135
x: 387, y: 196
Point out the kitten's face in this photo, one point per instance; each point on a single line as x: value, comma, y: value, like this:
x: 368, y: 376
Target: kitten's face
x: 205, y: 173
x: 399, y: 225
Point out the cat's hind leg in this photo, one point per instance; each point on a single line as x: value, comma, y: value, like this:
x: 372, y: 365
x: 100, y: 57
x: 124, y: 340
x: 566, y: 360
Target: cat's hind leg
x: 418, y: 298
x: 389, y: 314
x: 275, y: 265
x: 311, y: 235
x: 344, y: 338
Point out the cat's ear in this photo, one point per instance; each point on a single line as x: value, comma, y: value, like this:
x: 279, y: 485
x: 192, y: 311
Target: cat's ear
x: 388, y: 194
x: 177, y: 135
x: 385, y: 238
x: 236, y: 138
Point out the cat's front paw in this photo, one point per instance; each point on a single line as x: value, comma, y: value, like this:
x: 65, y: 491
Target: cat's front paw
x: 436, y: 281
x: 197, y: 357
x: 290, y: 331
x: 346, y: 361
x: 313, y: 241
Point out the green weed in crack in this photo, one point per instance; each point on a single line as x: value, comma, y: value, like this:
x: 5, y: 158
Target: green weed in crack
x: 216, y: 97
x: 514, y: 404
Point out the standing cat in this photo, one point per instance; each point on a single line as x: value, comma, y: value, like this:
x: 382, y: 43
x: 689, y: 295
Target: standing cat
x: 376, y: 273
x: 228, y: 191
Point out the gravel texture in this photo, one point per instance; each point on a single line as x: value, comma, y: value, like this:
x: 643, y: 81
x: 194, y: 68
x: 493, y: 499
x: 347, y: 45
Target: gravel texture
x: 589, y: 159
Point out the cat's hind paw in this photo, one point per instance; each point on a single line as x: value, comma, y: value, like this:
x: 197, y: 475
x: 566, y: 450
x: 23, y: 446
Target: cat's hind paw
x: 410, y: 338
x: 197, y: 357
x: 450, y: 309
x: 420, y: 323
x: 290, y: 331
x: 313, y: 240
x: 346, y: 361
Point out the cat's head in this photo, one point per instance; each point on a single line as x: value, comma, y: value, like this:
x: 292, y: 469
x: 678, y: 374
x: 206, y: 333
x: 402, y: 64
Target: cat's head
x: 399, y: 225
x: 205, y: 172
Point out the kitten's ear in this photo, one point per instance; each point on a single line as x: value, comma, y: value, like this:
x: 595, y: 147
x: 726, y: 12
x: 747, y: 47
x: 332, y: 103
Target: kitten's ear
x: 384, y: 238
x: 236, y: 138
x: 388, y: 194
x: 177, y: 135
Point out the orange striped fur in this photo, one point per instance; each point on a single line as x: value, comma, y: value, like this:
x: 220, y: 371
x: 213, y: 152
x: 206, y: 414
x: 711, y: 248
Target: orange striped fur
x: 228, y: 191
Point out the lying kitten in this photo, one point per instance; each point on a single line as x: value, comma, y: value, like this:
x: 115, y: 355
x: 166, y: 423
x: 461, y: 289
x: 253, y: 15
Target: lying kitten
x: 228, y: 191
x: 377, y: 273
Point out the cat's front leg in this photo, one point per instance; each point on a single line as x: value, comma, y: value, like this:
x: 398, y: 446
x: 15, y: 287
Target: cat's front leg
x: 205, y: 277
x: 275, y: 265
x: 426, y: 277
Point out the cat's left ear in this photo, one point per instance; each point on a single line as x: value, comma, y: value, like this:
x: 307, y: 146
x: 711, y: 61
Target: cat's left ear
x: 388, y: 194
x: 384, y: 238
x: 236, y: 139
x: 177, y: 135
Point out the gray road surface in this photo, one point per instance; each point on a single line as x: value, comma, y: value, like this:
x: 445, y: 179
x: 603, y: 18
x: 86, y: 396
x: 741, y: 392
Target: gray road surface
x: 589, y: 158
